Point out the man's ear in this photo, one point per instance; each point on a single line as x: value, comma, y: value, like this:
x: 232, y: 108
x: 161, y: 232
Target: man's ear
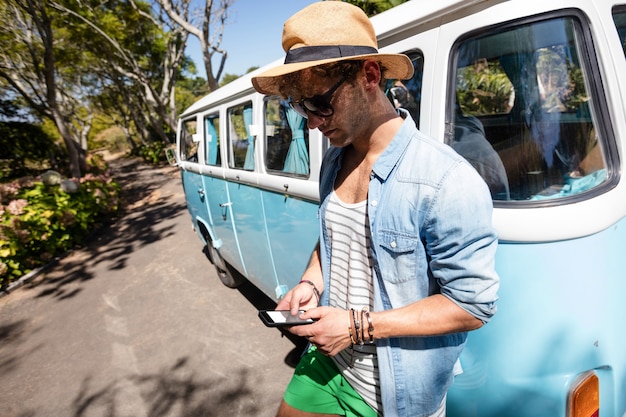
x: 373, y: 74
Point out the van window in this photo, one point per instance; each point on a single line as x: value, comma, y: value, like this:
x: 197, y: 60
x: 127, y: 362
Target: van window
x: 407, y: 94
x: 522, y: 110
x: 189, y: 146
x: 212, y: 139
x: 619, y: 17
x: 240, y: 140
x: 286, y: 138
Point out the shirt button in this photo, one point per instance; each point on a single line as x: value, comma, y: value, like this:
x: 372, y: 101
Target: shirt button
x: 374, y: 203
x: 393, y: 244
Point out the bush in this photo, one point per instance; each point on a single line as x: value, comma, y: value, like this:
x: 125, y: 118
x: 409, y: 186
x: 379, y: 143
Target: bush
x: 45, y: 217
x: 154, y: 152
x: 23, y: 145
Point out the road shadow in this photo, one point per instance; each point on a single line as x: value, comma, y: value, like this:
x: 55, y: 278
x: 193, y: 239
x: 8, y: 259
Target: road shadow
x: 139, y: 222
x: 173, y: 391
x: 261, y: 301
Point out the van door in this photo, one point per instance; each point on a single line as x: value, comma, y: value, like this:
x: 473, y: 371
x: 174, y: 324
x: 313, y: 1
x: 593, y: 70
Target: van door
x: 189, y: 148
x: 245, y: 199
x: 221, y: 229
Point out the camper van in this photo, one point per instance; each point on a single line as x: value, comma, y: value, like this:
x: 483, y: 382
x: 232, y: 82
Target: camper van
x: 533, y: 94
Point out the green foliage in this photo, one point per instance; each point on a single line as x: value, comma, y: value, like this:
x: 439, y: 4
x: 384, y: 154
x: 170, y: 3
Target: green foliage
x: 23, y: 144
x: 483, y: 88
x: 373, y: 7
x: 228, y: 78
x: 154, y: 152
x: 40, y: 219
x: 113, y: 139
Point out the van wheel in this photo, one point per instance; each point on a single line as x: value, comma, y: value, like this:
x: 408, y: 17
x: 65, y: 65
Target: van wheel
x: 225, y: 272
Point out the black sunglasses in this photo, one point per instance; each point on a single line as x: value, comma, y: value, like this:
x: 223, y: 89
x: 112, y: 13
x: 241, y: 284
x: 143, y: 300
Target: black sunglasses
x: 318, y: 105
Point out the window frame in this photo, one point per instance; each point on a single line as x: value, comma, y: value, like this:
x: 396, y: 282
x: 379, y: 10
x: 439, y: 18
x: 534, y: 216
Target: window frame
x: 229, y: 139
x: 266, y: 147
x: 205, y: 117
x: 184, y: 132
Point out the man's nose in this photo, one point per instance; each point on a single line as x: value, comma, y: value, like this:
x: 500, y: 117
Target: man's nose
x: 314, y: 121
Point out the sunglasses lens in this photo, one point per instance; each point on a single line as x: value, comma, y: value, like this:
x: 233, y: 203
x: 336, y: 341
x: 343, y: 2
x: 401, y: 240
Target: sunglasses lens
x: 298, y: 108
x: 318, y: 105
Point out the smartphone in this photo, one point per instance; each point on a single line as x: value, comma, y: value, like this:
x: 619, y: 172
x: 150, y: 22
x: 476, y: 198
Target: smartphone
x: 277, y: 318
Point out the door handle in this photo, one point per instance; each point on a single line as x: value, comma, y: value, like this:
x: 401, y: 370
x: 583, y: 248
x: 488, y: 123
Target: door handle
x: 224, y: 211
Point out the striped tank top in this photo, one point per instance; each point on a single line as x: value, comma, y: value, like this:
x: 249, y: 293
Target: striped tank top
x: 351, y: 286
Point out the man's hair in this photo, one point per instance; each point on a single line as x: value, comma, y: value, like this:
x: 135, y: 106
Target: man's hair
x: 348, y: 68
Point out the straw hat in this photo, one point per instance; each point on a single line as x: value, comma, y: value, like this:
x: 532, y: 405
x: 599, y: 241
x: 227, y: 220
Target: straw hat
x: 325, y: 32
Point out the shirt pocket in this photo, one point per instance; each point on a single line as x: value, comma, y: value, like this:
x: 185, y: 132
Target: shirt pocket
x: 398, y: 256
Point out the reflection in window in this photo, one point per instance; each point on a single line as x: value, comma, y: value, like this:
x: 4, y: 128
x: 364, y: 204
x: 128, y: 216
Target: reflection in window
x: 407, y: 94
x: 287, y: 139
x: 212, y: 138
x: 188, y: 146
x: 240, y: 139
x: 619, y: 17
x: 522, y: 112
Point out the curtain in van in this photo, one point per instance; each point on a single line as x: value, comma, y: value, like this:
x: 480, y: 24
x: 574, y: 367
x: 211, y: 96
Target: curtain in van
x: 212, y: 143
x: 297, y: 160
x: 247, y: 121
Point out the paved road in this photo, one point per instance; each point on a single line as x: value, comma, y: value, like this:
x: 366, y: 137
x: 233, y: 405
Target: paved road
x: 137, y: 324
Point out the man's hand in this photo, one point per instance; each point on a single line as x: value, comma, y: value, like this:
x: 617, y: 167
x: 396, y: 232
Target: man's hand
x: 300, y: 297
x: 330, y: 333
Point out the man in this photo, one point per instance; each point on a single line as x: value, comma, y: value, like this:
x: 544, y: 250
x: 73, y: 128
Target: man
x: 405, y: 264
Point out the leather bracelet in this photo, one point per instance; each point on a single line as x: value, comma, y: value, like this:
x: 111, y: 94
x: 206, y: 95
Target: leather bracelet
x: 352, y: 339
x: 357, y: 327
x: 370, y: 328
x: 362, y: 325
x: 315, y: 290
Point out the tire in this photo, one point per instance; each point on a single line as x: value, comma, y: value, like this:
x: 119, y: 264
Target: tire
x: 226, y: 273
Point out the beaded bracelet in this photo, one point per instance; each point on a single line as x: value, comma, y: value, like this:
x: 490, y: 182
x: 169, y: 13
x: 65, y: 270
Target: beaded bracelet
x: 315, y: 290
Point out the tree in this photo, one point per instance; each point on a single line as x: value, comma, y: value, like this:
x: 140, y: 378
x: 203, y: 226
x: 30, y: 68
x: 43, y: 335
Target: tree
x: 207, y: 26
x: 20, y: 143
x: 69, y: 60
x: 227, y: 78
x: 373, y: 7
x: 142, y: 56
x: 37, y: 65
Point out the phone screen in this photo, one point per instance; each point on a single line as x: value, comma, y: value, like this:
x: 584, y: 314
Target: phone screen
x: 282, y: 318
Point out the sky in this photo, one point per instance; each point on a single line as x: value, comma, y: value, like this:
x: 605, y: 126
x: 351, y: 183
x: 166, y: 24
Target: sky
x: 252, y: 35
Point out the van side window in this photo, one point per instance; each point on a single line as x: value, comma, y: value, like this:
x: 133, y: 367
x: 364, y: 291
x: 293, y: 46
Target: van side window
x: 286, y: 138
x: 188, y: 141
x: 212, y: 139
x: 240, y: 139
x: 407, y: 94
x: 522, y: 110
x: 619, y: 17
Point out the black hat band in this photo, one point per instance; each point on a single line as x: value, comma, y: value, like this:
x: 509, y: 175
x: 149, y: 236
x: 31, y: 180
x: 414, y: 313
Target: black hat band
x: 316, y: 53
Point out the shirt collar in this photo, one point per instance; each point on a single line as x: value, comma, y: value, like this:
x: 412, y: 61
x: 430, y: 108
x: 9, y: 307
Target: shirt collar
x: 392, y: 153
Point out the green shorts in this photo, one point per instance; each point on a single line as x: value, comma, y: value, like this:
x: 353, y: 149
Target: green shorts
x: 317, y: 386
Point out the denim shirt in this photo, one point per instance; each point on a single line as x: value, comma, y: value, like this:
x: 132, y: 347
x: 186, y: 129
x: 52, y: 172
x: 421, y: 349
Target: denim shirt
x: 430, y: 221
